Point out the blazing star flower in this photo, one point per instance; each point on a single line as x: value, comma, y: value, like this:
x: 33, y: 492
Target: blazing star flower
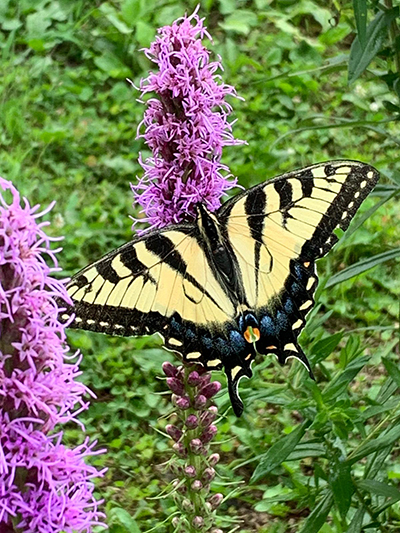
x: 45, y: 487
x: 186, y: 126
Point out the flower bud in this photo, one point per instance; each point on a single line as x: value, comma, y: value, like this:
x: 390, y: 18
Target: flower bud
x: 208, y: 434
x: 207, y: 418
x: 198, y: 522
x: 193, y: 378
x: 190, y: 471
x: 196, y: 446
x: 197, y: 485
x: 216, y: 500
x: 174, y: 399
x: 192, y: 422
x: 169, y: 369
x: 176, y: 386
x: 216, y: 530
x: 209, y: 390
x: 183, y: 403
x: 176, y: 521
x: 179, y: 449
x: 174, y: 432
x: 187, y: 505
x: 214, y: 459
x: 208, y: 474
x: 204, y: 379
x: 200, y: 401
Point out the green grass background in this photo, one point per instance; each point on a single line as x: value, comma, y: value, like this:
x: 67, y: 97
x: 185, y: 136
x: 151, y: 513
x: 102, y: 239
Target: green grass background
x: 68, y: 124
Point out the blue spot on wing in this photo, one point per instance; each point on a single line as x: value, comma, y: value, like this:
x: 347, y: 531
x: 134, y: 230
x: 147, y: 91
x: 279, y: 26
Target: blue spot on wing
x: 268, y: 326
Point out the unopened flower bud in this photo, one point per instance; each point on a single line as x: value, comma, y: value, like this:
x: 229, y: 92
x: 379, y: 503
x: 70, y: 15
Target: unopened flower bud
x: 174, y: 399
x: 192, y: 422
x: 175, y: 521
x: 200, y: 401
x: 179, y: 449
x: 197, y: 485
x: 210, y: 390
x: 198, y: 522
x: 190, y: 471
x: 174, y: 432
x: 193, y: 378
x: 216, y: 500
x: 196, y: 446
x: 216, y: 530
x: 169, y: 369
x: 208, y: 434
x: 176, y: 386
x: 214, y: 459
x: 207, y: 418
x: 208, y: 474
x: 204, y: 380
x: 187, y: 505
x: 183, y: 403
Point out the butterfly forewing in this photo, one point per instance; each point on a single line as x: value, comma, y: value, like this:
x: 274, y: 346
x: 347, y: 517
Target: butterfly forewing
x: 277, y: 230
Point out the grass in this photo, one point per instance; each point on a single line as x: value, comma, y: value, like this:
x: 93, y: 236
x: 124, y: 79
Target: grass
x: 68, y: 125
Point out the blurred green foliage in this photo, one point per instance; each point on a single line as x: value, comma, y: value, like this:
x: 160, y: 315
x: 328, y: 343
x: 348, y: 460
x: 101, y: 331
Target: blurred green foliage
x: 310, y: 456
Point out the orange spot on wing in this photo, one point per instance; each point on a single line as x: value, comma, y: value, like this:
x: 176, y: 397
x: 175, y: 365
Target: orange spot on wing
x: 306, y: 264
x: 271, y: 348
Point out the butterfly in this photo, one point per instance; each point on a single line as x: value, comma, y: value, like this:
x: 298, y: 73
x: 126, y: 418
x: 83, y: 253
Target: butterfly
x: 232, y: 282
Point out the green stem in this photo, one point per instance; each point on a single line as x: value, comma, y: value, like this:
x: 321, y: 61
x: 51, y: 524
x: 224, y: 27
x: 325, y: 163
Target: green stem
x: 394, y: 32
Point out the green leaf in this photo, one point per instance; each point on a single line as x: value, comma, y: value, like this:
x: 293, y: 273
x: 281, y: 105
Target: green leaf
x: 374, y: 445
x: 360, y: 14
x: 392, y: 370
x: 342, y: 380
x: 318, y: 516
x: 360, y: 57
x: 342, y: 487
x: 325, y: 347
x: 357, y: 521
x: 362, y: 266
x: 380, y: 489
x: 117, y: 515
x: 279, y: 452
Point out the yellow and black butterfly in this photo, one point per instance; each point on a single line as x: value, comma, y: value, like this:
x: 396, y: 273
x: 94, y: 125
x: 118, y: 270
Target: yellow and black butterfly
x: 231, y: 283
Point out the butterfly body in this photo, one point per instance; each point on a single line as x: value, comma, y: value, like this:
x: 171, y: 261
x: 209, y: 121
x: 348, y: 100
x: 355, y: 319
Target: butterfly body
x: 231, y: 283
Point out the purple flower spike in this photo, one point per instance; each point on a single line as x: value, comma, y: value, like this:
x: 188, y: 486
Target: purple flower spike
x: 44, y: 486
x: 186, y: 126
x: 179, y: 449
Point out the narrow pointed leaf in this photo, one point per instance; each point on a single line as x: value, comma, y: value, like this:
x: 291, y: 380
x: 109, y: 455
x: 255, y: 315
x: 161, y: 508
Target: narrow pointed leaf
x: 377, y: 31
x: 375, y: 444
x: 357, y: 521
x: 318, y: 516
x: 279, y: 452
x: 380, y: 489
x: 392, y: 369
x: 360, y: 14
x: 342, y: 487
x: 362, y: 266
